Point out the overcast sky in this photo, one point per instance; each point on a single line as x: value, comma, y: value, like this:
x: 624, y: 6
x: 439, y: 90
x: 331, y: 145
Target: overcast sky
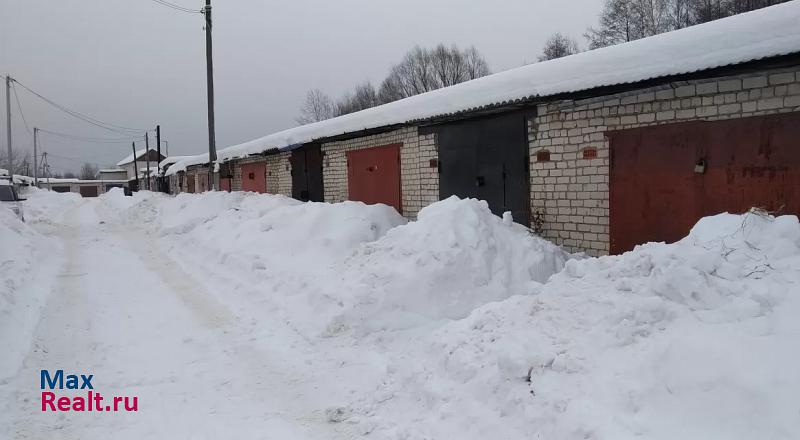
x: 136, y: 63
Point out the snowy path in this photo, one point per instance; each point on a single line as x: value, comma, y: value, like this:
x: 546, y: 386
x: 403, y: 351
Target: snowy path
x: 128, y: 314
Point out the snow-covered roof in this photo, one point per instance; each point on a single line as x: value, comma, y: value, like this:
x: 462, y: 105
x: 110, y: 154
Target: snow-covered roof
x: 129, y: 158
x: 760, y: 34
x: 112, y: 170
x: 3, y: 172
x: 171, y: 160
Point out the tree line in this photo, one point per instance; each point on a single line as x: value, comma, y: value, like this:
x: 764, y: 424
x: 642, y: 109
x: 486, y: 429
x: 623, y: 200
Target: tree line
x: 622, y: 21
x: 422, y: 70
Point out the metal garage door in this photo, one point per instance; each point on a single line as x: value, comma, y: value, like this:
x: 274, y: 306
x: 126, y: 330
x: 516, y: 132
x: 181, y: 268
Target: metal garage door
x: 225, y: 184
x: 202, y: 181
x: 307, y: 173
x: 487, y: 159
x: 88, y: 191
x: 373, y: 175
x: 663, y: 179
x: 254, y: 177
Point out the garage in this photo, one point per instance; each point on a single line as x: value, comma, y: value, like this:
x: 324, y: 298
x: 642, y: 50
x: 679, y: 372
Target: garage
x: 663, y: 179
x: 306, y: 163
x: 190, y: 184
x: 202, y: 181
x: 254, y: 177
x: 373, y: 175
x: 88, y: 191
x: 225, y: 184
x: 487, y: 159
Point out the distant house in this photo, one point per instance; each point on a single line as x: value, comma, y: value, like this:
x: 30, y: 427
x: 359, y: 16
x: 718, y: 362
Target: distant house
x: 140, y: 160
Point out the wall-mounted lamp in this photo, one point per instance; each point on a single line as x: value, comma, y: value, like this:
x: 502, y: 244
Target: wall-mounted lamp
x: 700, y: 167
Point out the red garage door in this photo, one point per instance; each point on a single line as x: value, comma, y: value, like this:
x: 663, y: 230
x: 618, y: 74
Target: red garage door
x: 663, y: 179
x: 373, y: 175
x: 254, y: 177
x: 225, y: 184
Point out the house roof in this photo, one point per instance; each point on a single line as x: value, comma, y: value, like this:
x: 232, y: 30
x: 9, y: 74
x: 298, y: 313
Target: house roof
x: 761, y: 34
x: 129, y: 158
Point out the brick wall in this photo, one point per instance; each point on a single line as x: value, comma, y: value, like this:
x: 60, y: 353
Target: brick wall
x: 419, y: 182
x: 572, y: 193
x: 279, y: 174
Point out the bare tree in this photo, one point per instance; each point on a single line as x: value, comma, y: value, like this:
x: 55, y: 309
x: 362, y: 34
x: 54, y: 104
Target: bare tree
x: 88, y: 171
x: 423, y: 70
x: 627, y: 20
x: 318, y: 107
x: 20, y: 160
x: 364, y: 96
x: 558, y: 46
x: 69, y: 175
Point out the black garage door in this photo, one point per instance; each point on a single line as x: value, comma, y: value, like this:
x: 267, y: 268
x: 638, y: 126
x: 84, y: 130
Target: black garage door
x: 487, y: 159
x: 307, y: 173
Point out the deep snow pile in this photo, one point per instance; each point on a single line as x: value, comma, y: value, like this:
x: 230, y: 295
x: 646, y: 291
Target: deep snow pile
x: 45, y: 208
x: 692, y: 340
x: 259, y: 231
x: 455, y: 257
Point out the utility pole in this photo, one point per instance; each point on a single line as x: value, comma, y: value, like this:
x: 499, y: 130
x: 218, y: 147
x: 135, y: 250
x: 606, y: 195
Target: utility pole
x: 135, y: 166
x: 46, y: 171
x: 8, y: 128
x: 35, y: 157
x: 212, y: 143
x: 158, y: 165
x: 147, y: 159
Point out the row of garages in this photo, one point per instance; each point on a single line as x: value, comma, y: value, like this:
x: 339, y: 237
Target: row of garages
x: 86, y: 188
x: 596, y: 170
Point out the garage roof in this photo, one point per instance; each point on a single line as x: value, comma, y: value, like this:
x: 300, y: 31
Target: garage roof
x: 761, y: 34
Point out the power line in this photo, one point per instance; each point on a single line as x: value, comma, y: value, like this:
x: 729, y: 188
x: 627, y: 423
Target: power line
x: 92, y: 139
x: 178, y: 7
x: 16, y: 98
x: 88, y: 119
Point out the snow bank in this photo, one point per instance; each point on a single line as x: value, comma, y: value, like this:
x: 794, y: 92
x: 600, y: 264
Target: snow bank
x: 692, y: 340
x: 259, y: 231
x: 45, y: 208
x: 19, y: 307
x: 457, y: 256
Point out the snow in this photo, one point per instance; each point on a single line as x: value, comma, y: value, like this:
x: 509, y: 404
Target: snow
x: 241, y: 314
x: 755, y: 35
x: 692, y: 340
x: 461, y: 256
x: 21, y: 296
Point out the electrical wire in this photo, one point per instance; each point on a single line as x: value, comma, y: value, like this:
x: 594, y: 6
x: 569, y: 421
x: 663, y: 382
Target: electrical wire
x: 178, y: 7
x: 93, y: 139
x: 16, y: 98
x: 88, y: 119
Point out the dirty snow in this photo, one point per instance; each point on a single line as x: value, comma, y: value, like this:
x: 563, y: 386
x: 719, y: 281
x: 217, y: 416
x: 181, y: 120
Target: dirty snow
x: 259, y: 316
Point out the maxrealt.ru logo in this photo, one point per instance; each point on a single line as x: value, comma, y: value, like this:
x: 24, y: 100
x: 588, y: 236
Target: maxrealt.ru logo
x: 91, y: 401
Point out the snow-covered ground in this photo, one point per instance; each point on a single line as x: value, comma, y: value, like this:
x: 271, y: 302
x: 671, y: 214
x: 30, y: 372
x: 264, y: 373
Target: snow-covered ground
x: 254, y: 316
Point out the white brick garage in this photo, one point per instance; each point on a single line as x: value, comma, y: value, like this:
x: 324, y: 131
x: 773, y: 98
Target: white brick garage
x: 419, y: 182
x: 570, y: 193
